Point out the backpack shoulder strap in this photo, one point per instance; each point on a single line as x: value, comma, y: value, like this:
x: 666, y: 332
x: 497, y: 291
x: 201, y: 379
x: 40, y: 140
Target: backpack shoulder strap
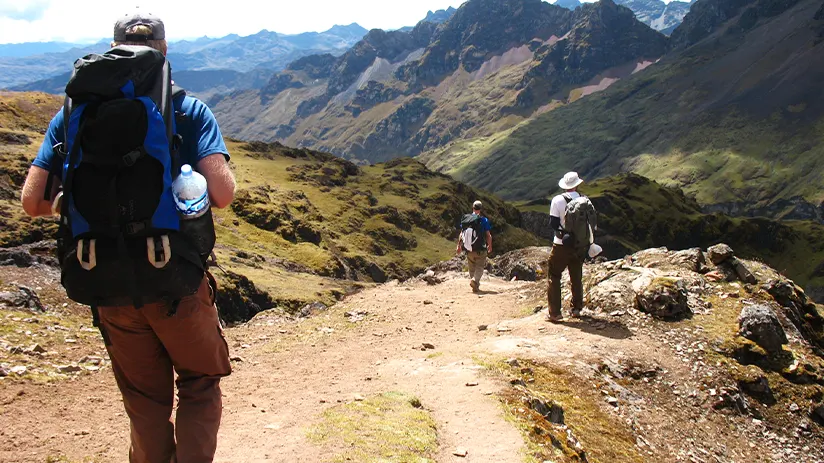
x: 567, y: 197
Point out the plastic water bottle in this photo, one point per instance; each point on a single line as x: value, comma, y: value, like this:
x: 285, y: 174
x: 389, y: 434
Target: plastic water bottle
x: 192, y: 200
x: 191, y: 193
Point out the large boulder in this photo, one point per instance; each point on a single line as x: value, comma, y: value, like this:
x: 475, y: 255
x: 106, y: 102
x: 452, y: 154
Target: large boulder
x: 662, y: 297
x: 25, y: 298
x: 759, y: 324
x: 720, y: 253
x: 528, y: 264
x: 661, y: 258
x: 799, y: 309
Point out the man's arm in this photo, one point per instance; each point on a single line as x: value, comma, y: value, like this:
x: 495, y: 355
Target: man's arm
x: 219, y: 178
x: 33, y: 192
x: 35, y: 185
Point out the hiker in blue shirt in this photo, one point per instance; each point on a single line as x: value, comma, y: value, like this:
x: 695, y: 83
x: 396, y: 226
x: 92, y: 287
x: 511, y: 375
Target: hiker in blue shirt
x: 476, y: 240
x: 163, y: 343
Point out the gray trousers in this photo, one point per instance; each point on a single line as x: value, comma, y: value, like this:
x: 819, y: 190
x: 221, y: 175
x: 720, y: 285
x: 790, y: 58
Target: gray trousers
x: 477, y: 264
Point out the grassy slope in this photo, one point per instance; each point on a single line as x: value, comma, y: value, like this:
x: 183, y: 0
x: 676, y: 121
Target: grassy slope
x: 717, y: 120
x: 305, y: 226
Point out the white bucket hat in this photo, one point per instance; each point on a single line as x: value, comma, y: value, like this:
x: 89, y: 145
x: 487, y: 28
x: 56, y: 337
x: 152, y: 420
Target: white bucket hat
x: 570, y: 181
x: 595, y: 250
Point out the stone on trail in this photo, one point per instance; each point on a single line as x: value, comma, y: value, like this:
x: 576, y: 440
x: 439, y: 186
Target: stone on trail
x: 744, y: 274
x: 69, y: 369
x: 426, y: 345
x: 759, y: 324
x: 19, y: 370
x: 664, y: 298
x: 4, y: 372
x: 472, y: 383
x: 359, y: 398
x: 25, y: 298
x: 460, y: 452
x: 482, y: 327
x: 719, y: 253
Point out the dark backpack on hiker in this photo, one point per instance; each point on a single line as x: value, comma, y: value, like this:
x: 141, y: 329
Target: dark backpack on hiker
x: 119, y: 241
x: 580, y: 221
x: 473, y: 233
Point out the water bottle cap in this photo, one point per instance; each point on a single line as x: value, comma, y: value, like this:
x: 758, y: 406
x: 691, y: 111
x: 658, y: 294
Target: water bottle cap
x: 186, y: 170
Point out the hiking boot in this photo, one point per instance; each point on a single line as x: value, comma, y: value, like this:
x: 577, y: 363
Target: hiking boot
x: 576, y: 313
x: 555, y: 319
x: 473, y: 285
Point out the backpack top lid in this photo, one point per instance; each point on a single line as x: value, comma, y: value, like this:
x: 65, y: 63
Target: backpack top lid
x: 470, y: 219
x: 99, y: 77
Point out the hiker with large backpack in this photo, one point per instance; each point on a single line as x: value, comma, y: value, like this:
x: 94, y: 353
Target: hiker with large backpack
x: 573, y: 219
x: 131, y: 244
x: 476, y: 240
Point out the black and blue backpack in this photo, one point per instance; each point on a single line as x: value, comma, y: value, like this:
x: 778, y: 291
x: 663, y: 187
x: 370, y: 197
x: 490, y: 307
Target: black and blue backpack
x: 120, y: 240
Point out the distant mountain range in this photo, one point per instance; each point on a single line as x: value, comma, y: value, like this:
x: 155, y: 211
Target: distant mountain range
x: 264, y: 50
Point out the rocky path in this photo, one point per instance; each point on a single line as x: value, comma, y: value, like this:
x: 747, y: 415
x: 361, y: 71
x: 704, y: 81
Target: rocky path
x: 288, y: 372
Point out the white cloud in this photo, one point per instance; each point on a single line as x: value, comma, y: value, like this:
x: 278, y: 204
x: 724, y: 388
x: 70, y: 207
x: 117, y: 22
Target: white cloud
x: 92, y: 20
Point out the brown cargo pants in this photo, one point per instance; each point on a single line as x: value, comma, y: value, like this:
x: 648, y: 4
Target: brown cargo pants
x: 560, y: 259
x: 147, y: 346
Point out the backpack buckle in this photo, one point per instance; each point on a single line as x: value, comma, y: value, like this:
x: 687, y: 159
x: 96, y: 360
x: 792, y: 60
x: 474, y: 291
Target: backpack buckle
x: 87, y: 254
x: 130, y: 158
x: 152, y: 248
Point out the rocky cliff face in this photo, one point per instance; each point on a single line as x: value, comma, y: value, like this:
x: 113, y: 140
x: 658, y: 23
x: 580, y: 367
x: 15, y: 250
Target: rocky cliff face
x: 315, y: 66
x: 377, y: 44
x: 481, y: 29
x: 440, y: 16
x: 604, y: 35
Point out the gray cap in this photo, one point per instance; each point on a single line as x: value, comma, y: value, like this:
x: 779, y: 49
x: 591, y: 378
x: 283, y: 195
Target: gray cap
x: 122, y: 26
x: 477, y: 205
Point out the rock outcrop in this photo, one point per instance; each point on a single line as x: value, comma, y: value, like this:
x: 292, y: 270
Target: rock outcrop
x: 759, y: 324
x: 662, y: 297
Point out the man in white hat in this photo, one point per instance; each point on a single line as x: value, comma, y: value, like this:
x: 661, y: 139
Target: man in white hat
x: 476, y: 240
x: 564, y: 255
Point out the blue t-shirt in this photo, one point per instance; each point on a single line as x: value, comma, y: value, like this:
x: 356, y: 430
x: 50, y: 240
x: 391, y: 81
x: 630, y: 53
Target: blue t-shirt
x: 200, y: 132
x: 485, y: 225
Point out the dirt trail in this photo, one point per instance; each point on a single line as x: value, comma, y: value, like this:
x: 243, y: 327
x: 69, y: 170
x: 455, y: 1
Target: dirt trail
x: 293, y: 370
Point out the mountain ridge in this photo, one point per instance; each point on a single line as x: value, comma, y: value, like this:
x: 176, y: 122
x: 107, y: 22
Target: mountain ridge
x: 397, y: 95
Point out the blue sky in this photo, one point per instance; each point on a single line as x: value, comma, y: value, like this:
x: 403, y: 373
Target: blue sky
x: 91, y: 20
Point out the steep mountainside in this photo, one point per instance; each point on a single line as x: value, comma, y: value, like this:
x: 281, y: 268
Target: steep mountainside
x: 735, y: 119
x: 305, y: 226
x: 398, y: 94
x: 264, y: 50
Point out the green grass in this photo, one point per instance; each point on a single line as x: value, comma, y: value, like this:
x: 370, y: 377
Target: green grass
x: 390, y: 427
x: 604, y: 437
